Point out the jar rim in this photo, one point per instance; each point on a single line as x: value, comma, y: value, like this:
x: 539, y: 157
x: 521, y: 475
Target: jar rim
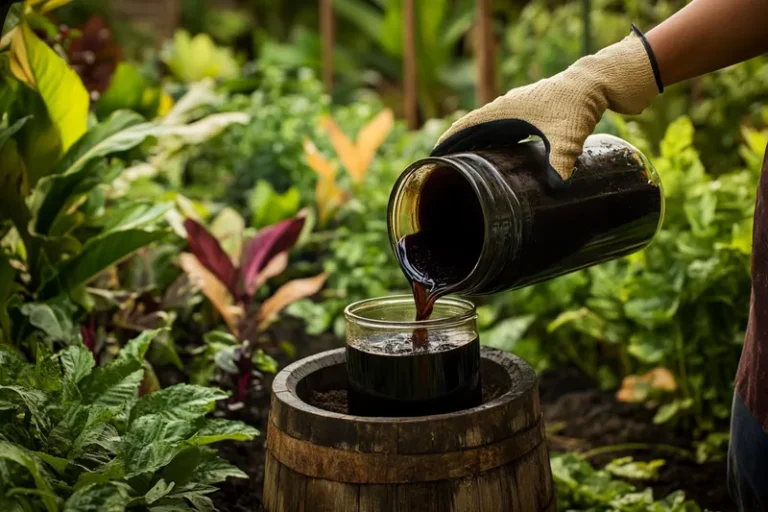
x: 353, y: 313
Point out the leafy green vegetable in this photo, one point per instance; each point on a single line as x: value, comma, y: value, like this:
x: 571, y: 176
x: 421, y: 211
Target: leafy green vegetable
x: 94, y: 445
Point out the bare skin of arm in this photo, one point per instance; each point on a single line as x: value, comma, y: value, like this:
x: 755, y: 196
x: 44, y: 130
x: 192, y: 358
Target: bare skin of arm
x: 707, y: 35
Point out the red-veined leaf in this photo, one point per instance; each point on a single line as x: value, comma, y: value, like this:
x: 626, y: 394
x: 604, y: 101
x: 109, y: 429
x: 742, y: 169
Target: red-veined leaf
x: 210, y: 254
x: 213, y: 289
x: 267, y: 244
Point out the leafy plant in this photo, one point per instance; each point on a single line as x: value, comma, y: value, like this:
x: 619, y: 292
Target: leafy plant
x: 78, y: 437
x: 192, y: 59
x: 232, y: 289
x: 579, y: 486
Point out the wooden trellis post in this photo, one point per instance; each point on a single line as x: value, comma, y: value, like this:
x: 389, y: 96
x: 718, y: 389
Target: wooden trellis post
x: 485, y: 52
x: 326, y: 34
x: 410, y: 93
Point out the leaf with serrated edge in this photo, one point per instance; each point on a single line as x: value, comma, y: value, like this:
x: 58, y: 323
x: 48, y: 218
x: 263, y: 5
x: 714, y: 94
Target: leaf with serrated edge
x: 216, y: 430
x: 179, y: 402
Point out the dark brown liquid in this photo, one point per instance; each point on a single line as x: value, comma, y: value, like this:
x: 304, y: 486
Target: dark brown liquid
x: 388, y: 377
x: 609, y: 209
x: 448, y: 244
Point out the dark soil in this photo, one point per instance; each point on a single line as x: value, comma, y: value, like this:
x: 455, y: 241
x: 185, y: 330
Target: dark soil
x: 335, y: 400
x: 580, y: 417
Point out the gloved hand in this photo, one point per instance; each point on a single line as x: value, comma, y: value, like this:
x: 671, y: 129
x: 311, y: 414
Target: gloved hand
x: 564, y: 109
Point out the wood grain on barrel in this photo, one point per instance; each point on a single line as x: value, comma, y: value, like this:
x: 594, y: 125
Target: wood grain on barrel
x: 492, y: 458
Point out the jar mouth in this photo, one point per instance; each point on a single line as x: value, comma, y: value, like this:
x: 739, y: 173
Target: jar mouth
x: 456, y: 164
x: 373, y: 313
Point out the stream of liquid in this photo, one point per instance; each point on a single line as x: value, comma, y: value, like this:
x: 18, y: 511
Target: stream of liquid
x: 447, y: 246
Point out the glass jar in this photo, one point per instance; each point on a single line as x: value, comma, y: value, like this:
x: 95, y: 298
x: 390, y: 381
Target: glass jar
x: 390, y: 376
x: 481, y: 222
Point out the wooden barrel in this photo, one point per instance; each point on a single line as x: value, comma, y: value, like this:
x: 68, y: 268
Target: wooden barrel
x: 491, y: 458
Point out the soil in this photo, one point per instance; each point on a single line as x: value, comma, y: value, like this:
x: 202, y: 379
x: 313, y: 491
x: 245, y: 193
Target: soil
x: 580, y: 417
x: 335, y: 400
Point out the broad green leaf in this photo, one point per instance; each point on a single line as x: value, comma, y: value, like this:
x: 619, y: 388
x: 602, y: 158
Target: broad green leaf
x: 123, y: 130
x: 55, y: 194
x: 216, y: 430
x: 179, y: 402
x: 508, y: 332
x: 152, y: 442
x: 102, y: 497
x: 627, y: 467
x: 80, y: 428
x: 38, y: 66
x: 116, y: 384
x: 125, y: 91
x: 268, y: 207
x: 192, y: 59
x: 57, y: 463
x: 27, y: 460
x: 138, y: 215
x: 213, y: 469
x: 160, y: 490
x: 97, y: 254
x: 54, y: 319
x: 228, y: 227
x: 679, y: 136
x: 77, y: 362
x: 36, y: 402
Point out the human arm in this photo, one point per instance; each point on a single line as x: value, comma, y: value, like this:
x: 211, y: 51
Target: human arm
x: 707, y: 35
x: 625, y: 77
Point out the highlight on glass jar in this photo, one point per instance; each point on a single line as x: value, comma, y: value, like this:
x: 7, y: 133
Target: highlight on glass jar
x: 397, y: 366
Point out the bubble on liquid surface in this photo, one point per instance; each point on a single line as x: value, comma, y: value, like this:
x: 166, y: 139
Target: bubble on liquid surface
x: 397, y: 344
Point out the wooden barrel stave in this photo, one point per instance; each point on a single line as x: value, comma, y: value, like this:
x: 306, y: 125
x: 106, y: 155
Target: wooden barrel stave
x: 319, y: 460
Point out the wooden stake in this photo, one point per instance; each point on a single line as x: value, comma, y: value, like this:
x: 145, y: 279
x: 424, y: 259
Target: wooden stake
x: 485, y: 52
x: 326, y: 33
x: 410, y: 93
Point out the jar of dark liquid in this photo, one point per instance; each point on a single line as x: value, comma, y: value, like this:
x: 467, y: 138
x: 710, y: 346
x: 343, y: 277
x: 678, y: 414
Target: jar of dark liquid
x: 482, y: 222
x: 389, y: 375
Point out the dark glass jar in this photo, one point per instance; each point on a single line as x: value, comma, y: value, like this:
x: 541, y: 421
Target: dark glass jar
x: 483, y: 222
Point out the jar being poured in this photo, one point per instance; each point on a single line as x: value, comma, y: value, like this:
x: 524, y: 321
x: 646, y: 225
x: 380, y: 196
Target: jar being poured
x: 482, y: 222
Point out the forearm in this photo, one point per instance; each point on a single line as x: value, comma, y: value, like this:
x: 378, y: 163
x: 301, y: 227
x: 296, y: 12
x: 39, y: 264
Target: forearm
x: 708, y: 35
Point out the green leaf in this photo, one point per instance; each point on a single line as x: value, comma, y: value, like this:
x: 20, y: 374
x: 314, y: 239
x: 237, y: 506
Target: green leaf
x: 102, y: 497
x: 268, y: 207
x: 627, y: 467
x: 116, y: 384
x: 216, y: 430
x: 98, y: 254
x: 8, y: 132
x: 77, y: 362
x: 66, y: 101
x: 57, y: 463
x: 152, y: 442
x: 212, y: 469
x: 192, y: 59
x: 123, y: 130
x: 508, y: 332
x: 160, y: 490
x: 137, y: 215
x: 179, y: 402
x: 27, y: 460
x: 125, y: 91
x: 34, y: 400
x: 54, y: 319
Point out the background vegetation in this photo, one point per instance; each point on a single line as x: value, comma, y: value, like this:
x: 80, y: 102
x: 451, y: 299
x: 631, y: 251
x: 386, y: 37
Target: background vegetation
x: 197, y: 193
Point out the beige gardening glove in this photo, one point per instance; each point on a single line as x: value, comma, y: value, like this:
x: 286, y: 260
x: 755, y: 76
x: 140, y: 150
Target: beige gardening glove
x: 564, y: 109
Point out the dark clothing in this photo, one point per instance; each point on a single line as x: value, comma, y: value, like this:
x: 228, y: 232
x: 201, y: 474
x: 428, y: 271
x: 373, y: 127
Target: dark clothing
x: 748, y: 452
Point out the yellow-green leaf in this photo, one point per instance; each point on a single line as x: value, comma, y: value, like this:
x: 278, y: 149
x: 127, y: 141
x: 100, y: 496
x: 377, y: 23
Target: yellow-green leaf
x: 36, y: 65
